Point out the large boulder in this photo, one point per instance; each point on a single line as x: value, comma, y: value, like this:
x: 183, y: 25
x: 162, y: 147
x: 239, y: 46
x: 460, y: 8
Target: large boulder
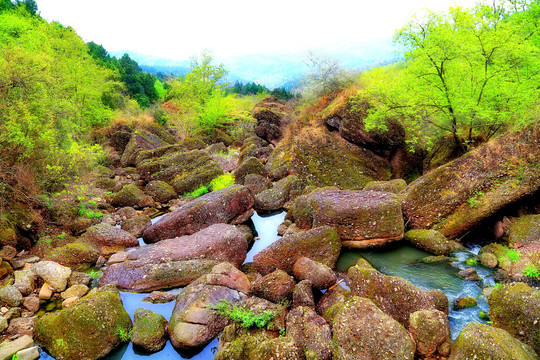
x: 395, y: 296
x: 430, y: 330
x: 194, y: 322
x: 310, y: 332
x: 53, y: 273
x: 319, y: 275
x: 143, y: 140
x: 277, y: 286
x: 284, y: 190
x: 361, y: 218
x: 516, y: 309
x: 149, y: 330
x: 362, y: 331
x: 109, y: 239
x: 129, y: 195
x: 178, y: 261
x: 74, y: 255
x: 459, y: 195
x: 249, y: 166
x: 321, y: 244
x: 524, y: 231
x: 432, y: 241
x: 89, y: 329
x: 272, y: 116
x: 232, y: 204
x: 483, y: 342
x: 160, y: 191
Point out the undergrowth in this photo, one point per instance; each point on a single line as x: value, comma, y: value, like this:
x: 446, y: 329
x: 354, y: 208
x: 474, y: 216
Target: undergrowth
x: 244, y: 317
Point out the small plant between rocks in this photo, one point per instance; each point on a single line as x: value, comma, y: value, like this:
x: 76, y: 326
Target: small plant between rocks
x: 244, y: 317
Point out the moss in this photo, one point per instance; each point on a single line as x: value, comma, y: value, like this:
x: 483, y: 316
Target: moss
x: 160, y: 191
x: 431, y: 241
x: 130, y: 195
x: 251, y: 165
x: 464, y: 303
x: 282, y: 348
x: 88, y: 330
x: 189, y: 181
x: 149, y: 330
x: 75, y: 255
x: 525, y: 230
x: 393, y: 186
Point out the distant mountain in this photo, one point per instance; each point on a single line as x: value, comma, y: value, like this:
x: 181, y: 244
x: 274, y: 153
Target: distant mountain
x: 277, y: 70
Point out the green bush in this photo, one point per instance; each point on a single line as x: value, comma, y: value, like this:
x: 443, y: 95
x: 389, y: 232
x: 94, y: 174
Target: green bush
x: 532, y: 272
x: 244, y: 317
x: 222, y: 181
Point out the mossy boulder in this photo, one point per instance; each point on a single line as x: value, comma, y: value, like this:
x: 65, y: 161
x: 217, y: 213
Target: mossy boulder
x: 362, y: 331
x: 136, y: 225
x: 257, y: 183
x: 430, y: 330
x: 391, y: 186
x: 105, y: 184
x: 483, y: 342
x: 284, y: 190
x: 160, y: 191
x: 281, y: 348
x: 310, y: 332
x: 516, y: 309
x: 149, y: 330
x: 319, y: 275
x: 74, y: 255
x: 251, y: 165
x: 303, y: 295
x: 141, y: 140
x: 459, y: 195
x: 232, y: 204
x: 431, y: 241
x: 189, y: 181
x: 130, y: 195
x: 372, y: 218
x: 395, y: 296
x: 524, y: 230
x: 109, y: 239
x: 194, y: 143
x: 90, y: 329
x: 276, y: 287
x: 238, y: 343
x: 321, y: 244
x: 464, y: 302
x: 331, y: 297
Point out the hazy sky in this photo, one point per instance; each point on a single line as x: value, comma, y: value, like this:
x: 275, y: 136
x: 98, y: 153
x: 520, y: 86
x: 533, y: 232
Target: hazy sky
x: 178, y: 29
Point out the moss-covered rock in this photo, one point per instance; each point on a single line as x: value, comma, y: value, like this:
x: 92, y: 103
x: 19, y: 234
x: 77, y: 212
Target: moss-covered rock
x: 257, y: 183
x: 160, y: 191
x: 238, y: 343
x: 105, y: 184
x: 432, y: 241
x: 392, y: 186
x: 303, y: 295
x: 149, y: 330
x: 281, y: 348
x: 90, y: 329
x: 372, y: 218
x: 284, y: 190
x: 464, y: 302
x: 276, y: 286
x: 395, y: 296
x: 194, y: 143
x: 483, y: 342
x: 251, y: 165
x: 524, y: 230
x: 362, y: 331
x: 516, y: 309
x: 319, y: 275
x: 141, y: 140
x: 310, y: 332
x: 74, y: 255
x: 459, y: 195
x: 10, y: 295
x: 336, y: 295
x: 321, y: 244
x: 136, y: 225
x: 189, y: 181
x: 109, y: 239
x: 130, y: 195
x: 430, y: 330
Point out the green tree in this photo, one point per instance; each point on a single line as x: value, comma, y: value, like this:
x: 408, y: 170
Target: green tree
x: 464, y: 71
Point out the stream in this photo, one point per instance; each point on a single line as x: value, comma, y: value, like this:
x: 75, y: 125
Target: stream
x: 402, y: 261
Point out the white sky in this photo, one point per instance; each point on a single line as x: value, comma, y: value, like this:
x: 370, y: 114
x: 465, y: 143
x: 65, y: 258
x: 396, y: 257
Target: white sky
x: 178, y: 29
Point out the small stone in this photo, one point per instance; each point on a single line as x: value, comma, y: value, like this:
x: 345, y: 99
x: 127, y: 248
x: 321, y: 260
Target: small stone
x: 12, y: 347
x: 149, y: 330
x: 3, y: 324
x: 24, y: 281
x: 21, y: 327
x: 101, y: 261
x: 469, y: 275
x: 119, y: 257
x: 10, y: 296
x: 31, y: 303
x: 160, y: 297
x: 464, y: 302
x: 53, y: 273
x: 29, y: 354
x: 21, y: 262
x: 75, y: 291
x: 45, y: 293
x: 70, y: 301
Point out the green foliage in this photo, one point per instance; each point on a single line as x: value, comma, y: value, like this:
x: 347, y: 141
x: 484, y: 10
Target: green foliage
x: 124, y: 335
x: 222, y: 181
x: 512, y: 254
x: 244, y: 317
x: 62, y: 236
x: 94, y: 274
x: 466, y: 72
x: 471, y: 262
x: 473, y: 201
x: 60, y: 343
x: 90, y: 213
x: 532, y: 272
x: 15, y: 357
x: 201, y: 190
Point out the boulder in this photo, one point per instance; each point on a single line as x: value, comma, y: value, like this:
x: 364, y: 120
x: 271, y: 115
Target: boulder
x: 321, y: 244
x: 53, y: 273
x: 469, y: 274
x: 178, y: 261
x: 136, y: 225
x: 284, y: 190
x: 362, y: 331
x: 320, y: 276
x: 516, y: 309
x: 395, y: 296
x: 310, y: 332
x: 272, y: 116
x: 109, y: 239
x: 149, y: 330
x: 463, y: 302
x: 459, y: 195
x: 431, y: 241
x: 130, y: 195
x: 238, y: 343
x: 89, y: 329
x: 303, y: 295
x: 430, y: 330
x: 257, y: 183
x: 276, y: 286
x: 24, y: 281
x: 160, y: 191
x: 484, y: 342
x: 362, y: 218
x: 142, y: 140
x: 281, y: 348
x: 334, y: 296
x: 232, y: 204
x: 392, y: 186
x: 10, y: 295
x: 74, y: 255
x: 160, y: 297
x: 524, y: 231
x: 251, y: 165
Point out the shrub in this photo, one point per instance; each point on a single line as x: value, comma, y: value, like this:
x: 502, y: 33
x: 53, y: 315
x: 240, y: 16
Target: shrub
x: 244, y: 317
x: 221, y: 182
x: 532, y: 272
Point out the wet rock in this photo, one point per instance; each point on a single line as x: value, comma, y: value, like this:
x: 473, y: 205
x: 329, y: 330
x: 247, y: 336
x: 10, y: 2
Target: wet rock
x: 136, y: 225
x: 395, y: 296
x: 373, y: 218
x: 391, y: 186
x: 24, y: 281
x: 321, y: 244
x: 281, y: 348
x: 464, y: 302
x: 310, y: 332
x: 432, y: 241
x: 437, y: 259
x: 516, y: 309
x: 489, y: 260
x: 160, y: 191
x: 257, y: 183
x: 251, y: 165
x: 53, y: 273
x: 75, y: 290
x: 109, y: 239
x: 74, y: 255
x: 149, y: 330
x: 10, y: 295
x: 320, y: 276
x: 89, y: 329
x: 483, y: 342
x: 303, y: 295
x: 469, y: 275
x: 480, y: 185
x: 276, y: 286
x: 160, y: 297
x: 524, y: 231
x: 362, y: 331
x: 229, y: 205
x: 284, y: 190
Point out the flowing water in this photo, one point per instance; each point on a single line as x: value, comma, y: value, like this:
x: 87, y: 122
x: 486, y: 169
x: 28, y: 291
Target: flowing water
x: 403, y: 261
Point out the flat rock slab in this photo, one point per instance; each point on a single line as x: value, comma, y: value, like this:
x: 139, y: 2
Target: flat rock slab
x: 362, y: 219
x: 233, y: 205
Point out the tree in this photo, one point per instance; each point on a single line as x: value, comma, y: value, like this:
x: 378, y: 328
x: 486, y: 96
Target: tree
x: 325, y: 76
x: 465, y: 71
